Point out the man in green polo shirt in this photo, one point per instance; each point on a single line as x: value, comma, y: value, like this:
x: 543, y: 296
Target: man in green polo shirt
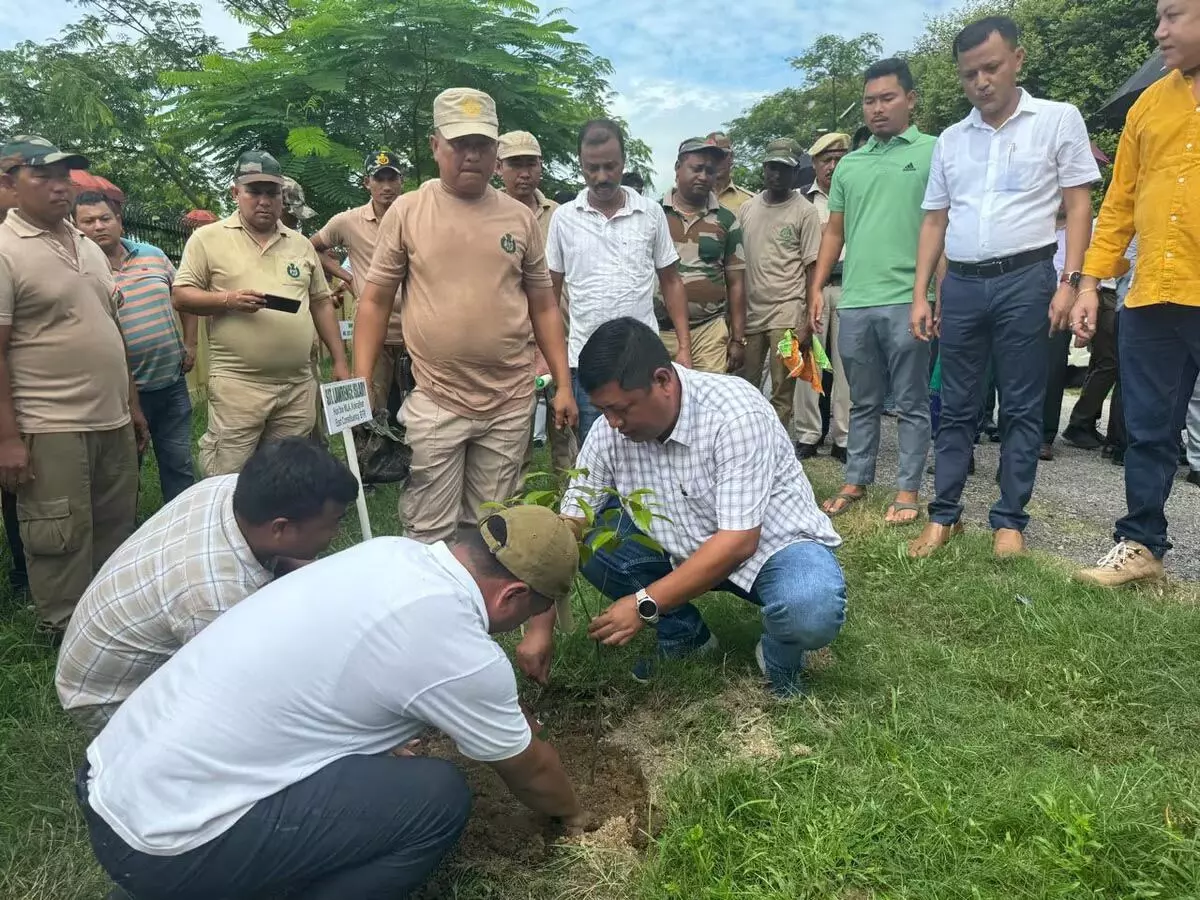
x: 712, y: 265
x: 875, y: 214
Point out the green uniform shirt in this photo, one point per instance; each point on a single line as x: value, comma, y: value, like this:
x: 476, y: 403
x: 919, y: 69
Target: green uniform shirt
x: 879, y: 189
x: 709, y: 246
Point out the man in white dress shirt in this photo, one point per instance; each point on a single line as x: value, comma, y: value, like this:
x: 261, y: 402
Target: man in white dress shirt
x: 995, y: 185
x: 608, y: 247
x: 734, y: 510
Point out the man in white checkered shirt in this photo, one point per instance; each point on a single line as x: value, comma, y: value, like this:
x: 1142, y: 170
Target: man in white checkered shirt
x: 202, y: 553
x: 738, y: 513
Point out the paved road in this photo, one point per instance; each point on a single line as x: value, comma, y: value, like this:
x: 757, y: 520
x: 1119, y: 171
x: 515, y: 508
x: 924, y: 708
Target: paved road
x: 1077, y: 498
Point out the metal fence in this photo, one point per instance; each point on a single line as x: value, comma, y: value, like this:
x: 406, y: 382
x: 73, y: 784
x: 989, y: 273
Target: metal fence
x: 168, y: 234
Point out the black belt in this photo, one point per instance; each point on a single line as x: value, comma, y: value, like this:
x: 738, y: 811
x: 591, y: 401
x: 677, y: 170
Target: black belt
x: 992, y: 268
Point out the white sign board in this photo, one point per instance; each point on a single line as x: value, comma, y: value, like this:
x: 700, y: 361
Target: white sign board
x: 347, y: 328
x: 346, y: 404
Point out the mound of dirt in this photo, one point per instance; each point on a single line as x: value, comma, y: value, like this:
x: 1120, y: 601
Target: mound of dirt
x: 502, y: 831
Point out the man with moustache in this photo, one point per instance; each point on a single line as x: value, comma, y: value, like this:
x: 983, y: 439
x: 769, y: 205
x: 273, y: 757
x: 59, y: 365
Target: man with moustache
x: 781, y: 233
x: 356, y: 231
x: 519, y: 165
x: 70, y: 422
x: 731, y: 195
x: 711, y: 263
x: 995, y: 185
x: 608, y: 248
x: 476, y: 295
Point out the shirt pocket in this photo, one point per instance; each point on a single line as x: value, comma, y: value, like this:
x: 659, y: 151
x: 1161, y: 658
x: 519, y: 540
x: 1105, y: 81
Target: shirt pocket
x: 1022, y: 171
x: 710, y: 248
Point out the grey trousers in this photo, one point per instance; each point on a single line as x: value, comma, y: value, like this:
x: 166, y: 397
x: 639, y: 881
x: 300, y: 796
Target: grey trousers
x: 1193, y: 430
x: 876, y: 350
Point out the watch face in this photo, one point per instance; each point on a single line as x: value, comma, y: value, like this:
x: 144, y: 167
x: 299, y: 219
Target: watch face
x: 647, y: 608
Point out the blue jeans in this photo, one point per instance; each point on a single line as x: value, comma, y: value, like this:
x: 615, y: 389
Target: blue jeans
x: 1004, y: 319
x: 1158, y: 350
x: 800, y: 590
x: 363, y: 827
x: 168, y: 411
x: 588, y: 414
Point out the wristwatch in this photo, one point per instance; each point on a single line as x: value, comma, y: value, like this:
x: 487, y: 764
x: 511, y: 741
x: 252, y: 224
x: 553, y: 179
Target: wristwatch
x: 1071, y: 278
x: 647, y: 608
x: 743, y: 341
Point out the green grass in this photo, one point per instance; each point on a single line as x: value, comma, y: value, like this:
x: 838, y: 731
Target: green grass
x: 961, y: 743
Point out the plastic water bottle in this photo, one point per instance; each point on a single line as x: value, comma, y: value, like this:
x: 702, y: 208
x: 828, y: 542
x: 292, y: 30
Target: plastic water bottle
x: 543, y: 381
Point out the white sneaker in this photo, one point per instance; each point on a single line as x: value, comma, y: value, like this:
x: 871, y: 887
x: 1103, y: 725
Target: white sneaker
x: 758, y: 658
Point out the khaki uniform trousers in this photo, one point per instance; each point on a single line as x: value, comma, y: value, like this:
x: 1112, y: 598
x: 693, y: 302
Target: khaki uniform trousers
x: 80, y: 506
x: 710, y: 346
x: 243, y: 413
x: 761, y: 349
x: 808, y: 401
x: 564, y: 446
x: 458, y: 464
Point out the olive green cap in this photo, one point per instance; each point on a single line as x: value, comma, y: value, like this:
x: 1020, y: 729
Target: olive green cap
x: 538, y: 547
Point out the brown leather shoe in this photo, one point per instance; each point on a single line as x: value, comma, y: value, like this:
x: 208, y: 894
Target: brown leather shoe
x: 1008, y: 542
x: 933, y: 537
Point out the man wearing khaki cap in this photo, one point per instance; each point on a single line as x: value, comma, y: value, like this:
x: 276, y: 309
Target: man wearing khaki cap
x: 70, y: 421
x: 476, y: 294
x: 519, y: 165
x: 255, y: 761
x: 356, y: 231
x: 241, y: 273
x: 731, y: 195
x: 781, y: 234
x: 826, y: 152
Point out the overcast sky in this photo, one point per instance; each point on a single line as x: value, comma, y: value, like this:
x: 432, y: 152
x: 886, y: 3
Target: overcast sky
x: 681, y: 67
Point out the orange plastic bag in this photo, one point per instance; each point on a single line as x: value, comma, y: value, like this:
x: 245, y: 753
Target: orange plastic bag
x: 801, y: 365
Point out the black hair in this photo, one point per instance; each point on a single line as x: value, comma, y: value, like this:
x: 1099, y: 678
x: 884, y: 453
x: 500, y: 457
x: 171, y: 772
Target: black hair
x: 860, y: 137
x: 600, y: 131
x: 892, y: 66
x: 292, y: 478
x: 623, y: 350
x: 634, y: 180
x: 562, y: 198
x: 91, y: 198
x: 978, y: 32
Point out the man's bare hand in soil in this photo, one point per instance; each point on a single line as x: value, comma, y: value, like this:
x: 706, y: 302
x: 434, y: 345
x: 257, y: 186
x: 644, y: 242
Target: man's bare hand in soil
x: 536, y: 649
x: 617, y: 625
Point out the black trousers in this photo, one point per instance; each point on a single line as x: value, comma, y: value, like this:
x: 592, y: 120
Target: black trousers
x: 12, y: 530
x: 362, y: 828
x: 1102, y: 369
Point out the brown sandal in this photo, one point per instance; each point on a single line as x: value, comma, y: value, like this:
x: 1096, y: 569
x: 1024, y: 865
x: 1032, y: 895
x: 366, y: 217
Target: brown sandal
x: 848, y: 499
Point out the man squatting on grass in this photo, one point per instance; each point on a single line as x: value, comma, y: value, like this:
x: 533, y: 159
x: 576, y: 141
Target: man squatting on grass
x: 737, y: 512
x: 255, y: 763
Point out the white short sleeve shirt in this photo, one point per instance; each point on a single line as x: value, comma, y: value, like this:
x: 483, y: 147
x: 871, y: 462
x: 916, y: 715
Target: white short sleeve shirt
x: 1003, y: 185
x: 609, y: 266
x: 354, y: 654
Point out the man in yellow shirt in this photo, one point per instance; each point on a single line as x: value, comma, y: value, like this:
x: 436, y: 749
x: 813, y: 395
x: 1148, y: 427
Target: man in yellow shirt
x: 729, y: 195
x: 1155, y: 194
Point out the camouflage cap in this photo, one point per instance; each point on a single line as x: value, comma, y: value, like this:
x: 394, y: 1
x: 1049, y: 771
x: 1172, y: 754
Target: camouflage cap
x: 458, y: 112
x: 293, y: 200
x: 384, y: 159
x: 834, y: 140
x: 538, y: 547
x: 721, y: 139
x: 257, y: 165
x: 703, y: 145
x: 34, y: 150
x: 782, y: 150
x: 518, y: 143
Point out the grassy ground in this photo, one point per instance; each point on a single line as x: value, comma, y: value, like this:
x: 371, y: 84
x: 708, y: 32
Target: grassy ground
x: 980, y: 730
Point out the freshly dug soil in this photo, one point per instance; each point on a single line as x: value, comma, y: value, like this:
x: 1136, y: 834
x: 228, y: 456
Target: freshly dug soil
x: 502, y: 831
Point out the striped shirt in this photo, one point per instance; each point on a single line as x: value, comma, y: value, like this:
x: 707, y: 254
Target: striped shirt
x: 728, y: 465
x: 184, y: 567
x: 148, y: 318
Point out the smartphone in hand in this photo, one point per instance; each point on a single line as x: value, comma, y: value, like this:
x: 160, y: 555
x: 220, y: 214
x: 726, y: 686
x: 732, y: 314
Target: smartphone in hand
x: 281, y: 304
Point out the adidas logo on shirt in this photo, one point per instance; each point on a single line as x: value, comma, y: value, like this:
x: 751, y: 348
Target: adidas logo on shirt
x: 910, y: 168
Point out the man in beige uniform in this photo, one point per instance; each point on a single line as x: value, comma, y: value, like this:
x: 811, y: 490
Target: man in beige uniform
x: 472, y: 265
x: 825, y: 153
x: 519, y: 165
x: 260, y: 383
x: 731, y: 195
x: 781, y: 235
x: 356, y: 231
x: 70, y: 423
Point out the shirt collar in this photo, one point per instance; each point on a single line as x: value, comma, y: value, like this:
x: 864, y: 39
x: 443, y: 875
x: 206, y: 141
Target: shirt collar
x: 368, y: 211
x: 685, y: 425
x: 631, y: 203
x: 26, y: 229
x: 235, y: 221
x: 668, y: 201
x: 543, y: 201
x: 1024, y: 105
x: 908, y: 135
x: 817, y: 189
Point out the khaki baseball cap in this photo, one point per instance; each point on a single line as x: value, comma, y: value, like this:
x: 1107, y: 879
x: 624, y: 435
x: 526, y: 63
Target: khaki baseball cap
x: 538, y: 547
x: 518, y: 143
x: 458, y: 112
x: 835, y: 140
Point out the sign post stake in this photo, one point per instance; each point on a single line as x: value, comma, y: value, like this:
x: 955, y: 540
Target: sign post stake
x: 346, y: 405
